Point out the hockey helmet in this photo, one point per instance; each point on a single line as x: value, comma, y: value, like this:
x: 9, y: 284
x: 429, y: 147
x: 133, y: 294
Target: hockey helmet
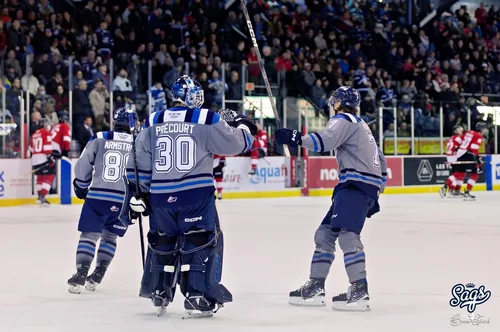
x: 63, y: 116
x: 188, y: 92
x: 125, y: 119
x: 347, y: 96
x: 482, y: 128
x: 42, y: 123
x: 458, y: 129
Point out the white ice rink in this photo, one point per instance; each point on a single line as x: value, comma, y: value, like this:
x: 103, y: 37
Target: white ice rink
x: 417, y: 249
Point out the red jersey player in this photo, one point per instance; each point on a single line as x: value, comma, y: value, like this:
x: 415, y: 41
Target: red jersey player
x: 259, y: 149
x: 219, y: 163
x: 42, y: 161
x: 451, y: 155
x: 468, y: 158
x: 61, y: 136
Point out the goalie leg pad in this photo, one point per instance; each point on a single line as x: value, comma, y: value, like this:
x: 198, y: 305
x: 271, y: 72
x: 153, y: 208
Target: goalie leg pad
x: 201, y: 266
x: 161, y: 266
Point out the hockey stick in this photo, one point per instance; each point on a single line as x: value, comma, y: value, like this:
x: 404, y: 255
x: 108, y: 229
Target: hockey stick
x: 33, y: 171
x: 263, y: 71
x: 133, y: 130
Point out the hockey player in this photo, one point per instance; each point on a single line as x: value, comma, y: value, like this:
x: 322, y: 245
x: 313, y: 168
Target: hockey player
x: 362, y: 169
x: 61, y: 136
x: 219, y: 163
x: 259, y: 149
x: 174, y: 155
x: 468, y: 158
x: 451, y: 156
x: 98, y: 180
x: 42, y: 160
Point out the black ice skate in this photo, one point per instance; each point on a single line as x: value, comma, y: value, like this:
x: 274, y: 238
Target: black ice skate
x: 219, y: 195
x: 77, y: 281
x: 252, y: 172
x: 356, y: 298
x: 443, y: 190
x: 468, y: 197
x: 160, y: 301
x: 311, y: 294
x: 44, y: 202
x: 96, y: 277
x: 197, y: 306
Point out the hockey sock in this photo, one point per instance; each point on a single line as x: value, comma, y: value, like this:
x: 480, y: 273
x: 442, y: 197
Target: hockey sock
x: 107, y: 248
x: 355, y: 265
x: 46, y: 184
x: 218, y: 182
x: 38, y: 186
x: 86, y: 248
x: 321, y: 262
x: 451, y: 182
x: 255, y: 158
x: 472, y: 181
x: 460, y: 180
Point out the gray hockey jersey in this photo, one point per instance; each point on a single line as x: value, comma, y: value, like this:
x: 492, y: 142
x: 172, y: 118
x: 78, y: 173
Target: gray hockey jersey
x: 175, y: 152
x: 102, y: 165
x: 361, y: 163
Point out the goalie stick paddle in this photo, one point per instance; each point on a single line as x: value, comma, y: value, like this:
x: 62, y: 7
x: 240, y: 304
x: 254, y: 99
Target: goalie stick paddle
x: 133, y: 131
x: 263, y: 71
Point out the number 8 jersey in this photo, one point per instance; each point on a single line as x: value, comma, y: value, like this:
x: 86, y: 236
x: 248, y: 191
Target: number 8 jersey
x: 175, y: 152
x: 102, y: 165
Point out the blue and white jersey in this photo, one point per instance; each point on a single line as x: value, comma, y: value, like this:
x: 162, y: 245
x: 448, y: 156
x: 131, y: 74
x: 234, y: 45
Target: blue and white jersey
x: 175, y: 152
x: 102, y: 165
x: 361, y: 163
x: 159, y: 99
x: 104, y: 38
x: 360, y: 80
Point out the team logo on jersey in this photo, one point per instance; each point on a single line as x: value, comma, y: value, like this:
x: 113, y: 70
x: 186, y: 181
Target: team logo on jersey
x: 114, y: 209
x: 172, y: 199
x: 469, y: 297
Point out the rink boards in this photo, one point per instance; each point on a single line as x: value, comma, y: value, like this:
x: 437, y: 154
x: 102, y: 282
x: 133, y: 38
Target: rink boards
x: 275, y: 177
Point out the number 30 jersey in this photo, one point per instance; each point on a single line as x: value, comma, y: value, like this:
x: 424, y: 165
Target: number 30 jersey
x: 175, y: 152
x: 102, y: 165
x: 361, y: 163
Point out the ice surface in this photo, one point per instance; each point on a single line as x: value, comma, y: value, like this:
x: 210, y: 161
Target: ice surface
x: 417, y: 248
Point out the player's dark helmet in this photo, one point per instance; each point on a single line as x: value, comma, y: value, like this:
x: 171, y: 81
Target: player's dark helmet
x: 63, y: 116
x: 188, y: 92
x: 458, y: 129
x: 42, y: 123
x: 482, y: 128
x: 125, y: 119
x: 347, y: 96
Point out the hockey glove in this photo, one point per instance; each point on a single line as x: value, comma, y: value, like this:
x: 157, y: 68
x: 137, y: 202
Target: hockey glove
x: 242, y: 122
x: 56, y: 154
x: 289, y: 137
x: 80, y: 192
x: 51, y: 160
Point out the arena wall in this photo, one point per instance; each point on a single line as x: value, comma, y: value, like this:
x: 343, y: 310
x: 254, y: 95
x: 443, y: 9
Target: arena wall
x: 275, y: 177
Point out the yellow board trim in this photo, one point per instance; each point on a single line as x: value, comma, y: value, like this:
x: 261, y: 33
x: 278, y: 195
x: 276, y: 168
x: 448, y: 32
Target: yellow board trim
x: 261, y: 194
x: 6, y: 202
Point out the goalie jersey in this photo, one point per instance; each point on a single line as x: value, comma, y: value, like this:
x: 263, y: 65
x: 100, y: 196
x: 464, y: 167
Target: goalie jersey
x: 102, y: 165
x: 361, y: 163
x: 175, y: 152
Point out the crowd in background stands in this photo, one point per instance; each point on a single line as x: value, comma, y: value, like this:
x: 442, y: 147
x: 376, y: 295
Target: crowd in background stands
x: 315, y: 49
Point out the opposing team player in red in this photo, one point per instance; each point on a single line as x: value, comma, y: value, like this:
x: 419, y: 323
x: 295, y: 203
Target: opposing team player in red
x: 468, y: 158
x: 42, y: 161
x: 451, y: 155
x: 61, y: 136
x: 259, y: 149
x: 219, y: 163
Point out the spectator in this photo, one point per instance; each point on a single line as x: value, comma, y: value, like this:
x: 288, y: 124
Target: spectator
x: 81, y: 103
x: 30, y: 83
x: 309, y: 78
x: 158, y: 97
x: 54, y: 82
x: 35, y: 117
x: 61, y: 98
x: 122, y: 86
x: 217, y: 87
x: 16, y: 39
x: 104, y: 40
x: 87, y: 40
x: 318, y: 94
x: 12, y: 61
x: 13, y: 100
x: 389, y: 132
x: 102, y: 75
x: 234, y: 91
x: 99, y: 97
x: 403, y: 130
x: 9, y: 76
x: 84, y: 132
